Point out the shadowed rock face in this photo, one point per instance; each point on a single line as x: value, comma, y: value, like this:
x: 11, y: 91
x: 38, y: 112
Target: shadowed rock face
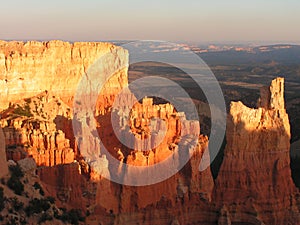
x: 3, y: 163
x: 254, y: 182
x: 254, y: 185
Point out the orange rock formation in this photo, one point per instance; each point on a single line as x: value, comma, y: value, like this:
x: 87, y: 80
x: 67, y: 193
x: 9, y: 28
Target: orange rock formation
x: 30, y: 130
x: 27, y: 69
x: 254, y: 184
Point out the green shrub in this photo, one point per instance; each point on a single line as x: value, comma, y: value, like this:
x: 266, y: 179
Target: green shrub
x: 23, y: 221
x: 37, y: 206
x: 37, y: 186
x: 16, y: 171
x: 73, y: 216
x: 2, y: 199
x: 12, y: 221
x: 50, y: 199
x: 17, y: 205
x: 15, y: 184
x: 23, y: 111
x: 45, y: 217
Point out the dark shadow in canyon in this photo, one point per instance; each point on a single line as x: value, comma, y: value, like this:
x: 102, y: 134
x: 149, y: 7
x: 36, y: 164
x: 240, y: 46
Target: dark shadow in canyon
x: 255, y: 180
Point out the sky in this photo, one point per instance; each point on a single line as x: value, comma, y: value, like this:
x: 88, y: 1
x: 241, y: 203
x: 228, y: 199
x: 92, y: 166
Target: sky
x: 198, y: 21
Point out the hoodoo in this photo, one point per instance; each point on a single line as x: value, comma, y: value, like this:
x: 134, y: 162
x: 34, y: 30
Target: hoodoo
x: 254, y: 181
x: 38, y: 82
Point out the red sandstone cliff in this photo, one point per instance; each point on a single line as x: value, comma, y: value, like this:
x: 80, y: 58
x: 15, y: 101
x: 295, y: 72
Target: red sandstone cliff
x: 39, y: 127
x: 254, y: 184
x: 32, y: 129
x: 27, y: 69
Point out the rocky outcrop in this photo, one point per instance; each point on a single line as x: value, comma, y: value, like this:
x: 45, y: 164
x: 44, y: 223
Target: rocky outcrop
x: 189, y: 189
x: 40, y: 127
x: 254, y: 183
x: 3, y: 162
x: 27, y: 165
x: 154, y: 129
x: 30, y: 130
x: 186, y: 183
x: 138, y: 124
x: 27, y: 69
x: 66, y: 183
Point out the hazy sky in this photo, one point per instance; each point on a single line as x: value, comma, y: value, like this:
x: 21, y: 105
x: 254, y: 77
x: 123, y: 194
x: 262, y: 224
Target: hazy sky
x: 171, y: 20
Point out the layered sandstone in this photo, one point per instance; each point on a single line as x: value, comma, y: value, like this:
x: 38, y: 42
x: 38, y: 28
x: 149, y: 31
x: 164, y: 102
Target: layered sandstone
x: 155, y: 132
x: 31, y: 130
x: 40, y: 127
x: 65, y: 183
x: 27, y: 69
x: 178, y: 198
x: 55, y: 68
x: 254, y: 184
x: 153, y: 129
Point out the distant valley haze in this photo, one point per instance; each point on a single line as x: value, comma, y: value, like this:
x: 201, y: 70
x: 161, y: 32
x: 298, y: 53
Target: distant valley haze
x: 191, y: 21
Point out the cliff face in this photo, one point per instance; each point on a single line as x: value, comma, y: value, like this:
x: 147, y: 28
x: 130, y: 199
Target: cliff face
x: 254, y: 183
x: 32, y: 128
x: 184, y: 197
x: 3, y: 162
x: 42, y: 123
x: 46, y: 76
x: 27, y: 69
